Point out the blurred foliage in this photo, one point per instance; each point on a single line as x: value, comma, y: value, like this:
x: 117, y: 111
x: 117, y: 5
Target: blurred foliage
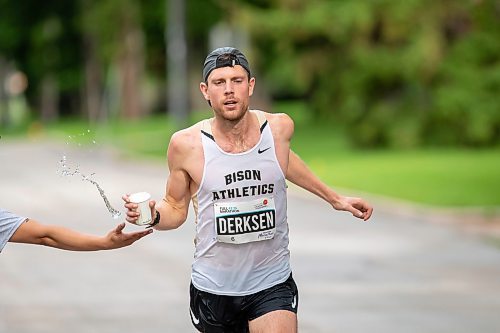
x: 393, y: 73
x: 433, y: 176
x: 58, y: 37
x: 41, y: 38
x: 397, y: 73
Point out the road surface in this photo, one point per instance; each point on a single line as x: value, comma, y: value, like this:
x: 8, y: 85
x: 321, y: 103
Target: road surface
x: 392, y: 274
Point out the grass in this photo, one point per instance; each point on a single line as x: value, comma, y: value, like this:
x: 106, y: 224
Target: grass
x: 147, y: 137
x: 439, y: 177
x: 442, y: 178
x: 447, y: 177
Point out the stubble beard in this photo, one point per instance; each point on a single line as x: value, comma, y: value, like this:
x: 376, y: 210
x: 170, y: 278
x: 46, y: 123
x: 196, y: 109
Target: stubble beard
x: 232, y: 116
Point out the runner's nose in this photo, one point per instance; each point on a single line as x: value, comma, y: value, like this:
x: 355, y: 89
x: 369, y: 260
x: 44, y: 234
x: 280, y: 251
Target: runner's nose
x: 228, y: 88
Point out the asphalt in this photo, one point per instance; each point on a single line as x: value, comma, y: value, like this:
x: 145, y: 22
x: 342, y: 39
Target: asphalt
x: 396, y: 273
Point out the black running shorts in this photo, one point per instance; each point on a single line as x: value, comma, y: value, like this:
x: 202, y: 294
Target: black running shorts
x: 212, y: 313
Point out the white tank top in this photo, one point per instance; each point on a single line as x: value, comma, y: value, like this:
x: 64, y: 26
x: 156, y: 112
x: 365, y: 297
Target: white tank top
x: 242, y: 230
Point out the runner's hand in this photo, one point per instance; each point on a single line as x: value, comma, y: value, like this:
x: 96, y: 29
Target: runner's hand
x: 356, y: 206
x: 132, y: 214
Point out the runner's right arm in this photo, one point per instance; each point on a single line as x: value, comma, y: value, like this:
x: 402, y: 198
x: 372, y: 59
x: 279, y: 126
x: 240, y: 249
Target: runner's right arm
x: 173, y: 208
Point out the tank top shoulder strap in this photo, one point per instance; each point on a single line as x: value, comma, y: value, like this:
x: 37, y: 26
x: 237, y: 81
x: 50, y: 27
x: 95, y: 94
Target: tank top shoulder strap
x: 261, y: 117
x: 206, y: 129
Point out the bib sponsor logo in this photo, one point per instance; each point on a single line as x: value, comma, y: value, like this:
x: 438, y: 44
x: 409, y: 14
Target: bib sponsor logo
x: 229, y: 210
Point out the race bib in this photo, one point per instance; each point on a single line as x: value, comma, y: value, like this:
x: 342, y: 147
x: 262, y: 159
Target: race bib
x: 244, y: 222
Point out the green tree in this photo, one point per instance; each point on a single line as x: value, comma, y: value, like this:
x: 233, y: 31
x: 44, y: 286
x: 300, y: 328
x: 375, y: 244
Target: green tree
x: 95, y: 58
x: 114, y: 34
x: 39, y: 40
x: 397, y: 73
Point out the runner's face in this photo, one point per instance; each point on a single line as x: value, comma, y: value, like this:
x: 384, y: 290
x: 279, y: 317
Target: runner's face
x: 228, y: 89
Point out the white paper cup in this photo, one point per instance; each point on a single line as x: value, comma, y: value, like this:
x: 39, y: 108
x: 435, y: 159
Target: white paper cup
x: 142, y: 200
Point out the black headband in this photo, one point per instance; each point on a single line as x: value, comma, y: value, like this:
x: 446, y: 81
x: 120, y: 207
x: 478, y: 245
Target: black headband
x: 224, y: 57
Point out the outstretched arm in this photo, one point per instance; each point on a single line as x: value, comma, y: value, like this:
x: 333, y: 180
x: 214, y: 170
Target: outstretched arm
x: 33, y: 232
x: 300, y: 174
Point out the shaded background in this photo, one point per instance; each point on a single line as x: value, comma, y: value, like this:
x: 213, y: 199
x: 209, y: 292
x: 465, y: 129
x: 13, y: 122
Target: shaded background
x: 393, y: 73
x: 390, y: 92
x: 402, y: 95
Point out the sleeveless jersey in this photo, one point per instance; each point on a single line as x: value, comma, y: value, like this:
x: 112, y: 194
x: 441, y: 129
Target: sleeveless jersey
x: 241, y: 225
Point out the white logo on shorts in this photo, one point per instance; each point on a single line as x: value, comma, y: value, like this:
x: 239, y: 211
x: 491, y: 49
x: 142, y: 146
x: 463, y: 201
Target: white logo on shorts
x: 196, y: 321
x: 294, y: 302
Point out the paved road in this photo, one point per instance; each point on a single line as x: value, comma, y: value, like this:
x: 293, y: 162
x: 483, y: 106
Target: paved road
x: 390, y: 275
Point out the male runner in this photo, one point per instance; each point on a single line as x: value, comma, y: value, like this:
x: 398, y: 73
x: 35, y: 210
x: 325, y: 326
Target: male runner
x: 233, y: 167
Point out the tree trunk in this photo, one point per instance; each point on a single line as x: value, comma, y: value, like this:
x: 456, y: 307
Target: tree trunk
x: 177, y: 80
x: 92, y: 96
x: 49, y: 98
x: 4, y: 111
x: 131, y: 66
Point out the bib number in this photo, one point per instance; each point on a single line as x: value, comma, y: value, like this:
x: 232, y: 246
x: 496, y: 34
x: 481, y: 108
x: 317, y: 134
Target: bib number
x: 244, y: 222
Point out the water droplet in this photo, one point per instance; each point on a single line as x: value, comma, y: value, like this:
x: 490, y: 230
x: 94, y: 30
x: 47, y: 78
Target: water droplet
x: 68, y: 171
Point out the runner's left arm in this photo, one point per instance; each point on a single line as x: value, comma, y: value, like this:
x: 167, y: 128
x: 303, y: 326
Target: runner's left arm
x: 300, y: 174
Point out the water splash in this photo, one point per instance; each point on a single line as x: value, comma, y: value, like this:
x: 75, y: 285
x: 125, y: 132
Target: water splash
x: 67, y: 171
